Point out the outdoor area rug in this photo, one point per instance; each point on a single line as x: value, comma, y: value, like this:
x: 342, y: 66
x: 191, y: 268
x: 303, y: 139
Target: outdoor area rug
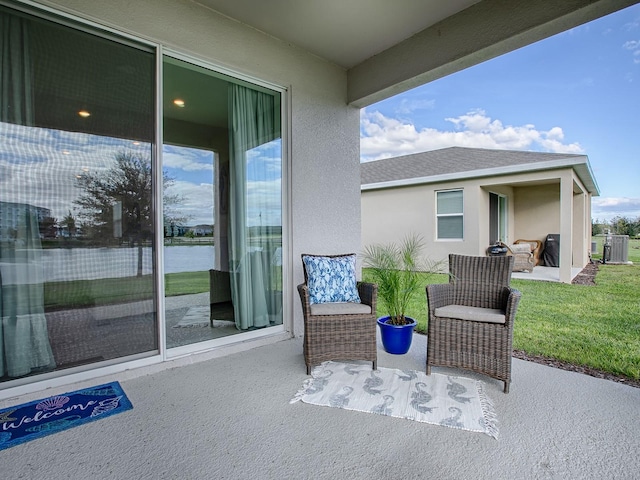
x: 29, y: 421
x: 455, y: 402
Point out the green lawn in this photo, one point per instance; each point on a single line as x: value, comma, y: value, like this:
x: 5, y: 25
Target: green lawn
x: 60, y: 295
x: 596, y: 326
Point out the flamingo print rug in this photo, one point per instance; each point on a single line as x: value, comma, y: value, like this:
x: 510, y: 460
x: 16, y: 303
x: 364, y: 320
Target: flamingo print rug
x: 29, y: 421
x: 437, y: 399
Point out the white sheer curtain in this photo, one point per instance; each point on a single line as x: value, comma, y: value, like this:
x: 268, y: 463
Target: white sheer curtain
x: 252, y: 122
x: 16, y: 88
x: 24, y: 340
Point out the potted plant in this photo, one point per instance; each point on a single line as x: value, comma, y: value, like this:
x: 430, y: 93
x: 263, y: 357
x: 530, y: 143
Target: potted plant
x: 396, y: 269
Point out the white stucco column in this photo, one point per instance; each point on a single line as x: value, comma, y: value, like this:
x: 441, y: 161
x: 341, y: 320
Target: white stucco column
x: 566, y: 226
x: 581, y: 238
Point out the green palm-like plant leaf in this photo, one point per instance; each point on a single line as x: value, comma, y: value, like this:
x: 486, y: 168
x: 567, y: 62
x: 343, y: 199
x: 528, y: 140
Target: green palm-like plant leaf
x: 396, y: 270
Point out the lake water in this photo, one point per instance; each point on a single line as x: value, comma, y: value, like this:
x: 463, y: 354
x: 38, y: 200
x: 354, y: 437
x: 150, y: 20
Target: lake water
x: 61, y: 264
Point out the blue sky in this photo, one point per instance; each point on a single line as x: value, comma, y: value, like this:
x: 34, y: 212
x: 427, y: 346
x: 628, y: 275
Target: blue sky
x: 576, y: 92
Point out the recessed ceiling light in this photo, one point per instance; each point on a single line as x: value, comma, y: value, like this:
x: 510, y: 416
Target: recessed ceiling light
x: 178, y: 103
x: 84, y: 113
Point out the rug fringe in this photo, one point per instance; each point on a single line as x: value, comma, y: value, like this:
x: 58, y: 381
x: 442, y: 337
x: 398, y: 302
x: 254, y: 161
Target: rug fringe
x: 308, y: 383
x: 302, y: 392
x: 490, y: 417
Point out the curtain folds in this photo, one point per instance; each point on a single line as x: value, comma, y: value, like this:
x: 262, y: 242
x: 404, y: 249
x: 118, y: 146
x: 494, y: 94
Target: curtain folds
x: 16, y: 71
x: 252, y: 125
x: 24, y: 339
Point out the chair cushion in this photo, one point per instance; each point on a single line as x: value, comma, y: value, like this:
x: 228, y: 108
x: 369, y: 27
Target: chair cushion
x: 331, y: 279
x: 340, y: 308
x: 520, y: 248
x: 477, y: 314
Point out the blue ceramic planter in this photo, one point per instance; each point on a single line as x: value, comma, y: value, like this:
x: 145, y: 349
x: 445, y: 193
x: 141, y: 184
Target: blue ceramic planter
x: 396, y: 339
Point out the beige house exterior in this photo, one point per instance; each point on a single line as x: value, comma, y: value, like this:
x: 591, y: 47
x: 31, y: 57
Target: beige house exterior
x: 503, y: 195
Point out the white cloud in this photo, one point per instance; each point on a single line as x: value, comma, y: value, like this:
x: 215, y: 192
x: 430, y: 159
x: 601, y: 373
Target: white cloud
x: 264, y: 202
x: 605, y: 208
x: 185, y: 159
x: 634, y: 47
x: 633, y: 24
x: 408, y: 106
x: 40, y: 166
x: 384, y: 137
x: 196, y: 201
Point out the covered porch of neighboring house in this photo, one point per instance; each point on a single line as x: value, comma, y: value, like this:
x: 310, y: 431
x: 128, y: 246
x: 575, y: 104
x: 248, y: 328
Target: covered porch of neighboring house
x: 546, y: 274
x: 200, y: 421
x: 556, y: 202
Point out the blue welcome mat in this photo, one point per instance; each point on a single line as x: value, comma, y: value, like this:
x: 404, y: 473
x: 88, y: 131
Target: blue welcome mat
x: 29, y: 421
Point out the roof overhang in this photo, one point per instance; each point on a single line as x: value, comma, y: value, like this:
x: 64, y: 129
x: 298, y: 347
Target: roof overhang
x: 388, y: 47
x: 579, y: 164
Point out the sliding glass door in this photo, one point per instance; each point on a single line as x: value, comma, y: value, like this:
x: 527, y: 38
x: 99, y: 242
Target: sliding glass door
x: 77, y: 221
x: 79, y: 200
x: 222, y: 160
x: 497, y: 218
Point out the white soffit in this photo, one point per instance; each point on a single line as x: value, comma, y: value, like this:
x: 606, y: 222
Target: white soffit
x: 345, y: 32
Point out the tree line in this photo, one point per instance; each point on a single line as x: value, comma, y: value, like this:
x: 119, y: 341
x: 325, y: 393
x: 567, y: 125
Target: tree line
x: 116, y: 205
x: 616, y: 226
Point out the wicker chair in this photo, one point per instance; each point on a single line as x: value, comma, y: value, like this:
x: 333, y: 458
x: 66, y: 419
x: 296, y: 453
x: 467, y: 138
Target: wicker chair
x: 471, y: 318
x: 523, y: 259
x: 339, y: 331
x: 219, y: 290
x: 536, y: 249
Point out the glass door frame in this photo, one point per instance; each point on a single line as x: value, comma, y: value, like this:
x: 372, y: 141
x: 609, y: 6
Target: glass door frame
x: 287, y: 300
x: 501, y: 217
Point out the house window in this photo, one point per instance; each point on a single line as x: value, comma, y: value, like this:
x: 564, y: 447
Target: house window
x: 449, y: 215
x: 498, y: 219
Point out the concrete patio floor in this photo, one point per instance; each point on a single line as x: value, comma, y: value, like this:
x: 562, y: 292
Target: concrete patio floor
x: 546, y: 274
x: 230, y: 418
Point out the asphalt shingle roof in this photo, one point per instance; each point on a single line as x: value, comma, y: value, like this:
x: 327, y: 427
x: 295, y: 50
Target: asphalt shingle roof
x: 449, y: 161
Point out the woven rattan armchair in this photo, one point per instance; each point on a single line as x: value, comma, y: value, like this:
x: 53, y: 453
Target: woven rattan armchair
x: 536, y: 249
x: 471, y: 318
x: 339, y: 331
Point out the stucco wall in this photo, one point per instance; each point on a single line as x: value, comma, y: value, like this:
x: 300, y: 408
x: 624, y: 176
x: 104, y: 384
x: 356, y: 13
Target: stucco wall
x: 533, y: 204
x: 324, y: 132
x: 389, y: 214
x: 536, y: 211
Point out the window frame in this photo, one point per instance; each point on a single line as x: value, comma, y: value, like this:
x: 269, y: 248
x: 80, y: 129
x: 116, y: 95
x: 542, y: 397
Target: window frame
x: 438, y: 216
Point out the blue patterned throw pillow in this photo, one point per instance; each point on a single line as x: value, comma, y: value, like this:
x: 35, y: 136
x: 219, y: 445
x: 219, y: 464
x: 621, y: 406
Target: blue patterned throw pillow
x: 331, y: 279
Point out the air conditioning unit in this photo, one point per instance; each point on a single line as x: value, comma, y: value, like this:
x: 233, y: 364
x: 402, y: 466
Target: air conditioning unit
x: 616, y: 249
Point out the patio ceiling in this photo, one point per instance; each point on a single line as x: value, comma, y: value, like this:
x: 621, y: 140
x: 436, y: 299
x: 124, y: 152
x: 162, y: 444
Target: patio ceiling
x: 343, y: 32
x: 388, y: 47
